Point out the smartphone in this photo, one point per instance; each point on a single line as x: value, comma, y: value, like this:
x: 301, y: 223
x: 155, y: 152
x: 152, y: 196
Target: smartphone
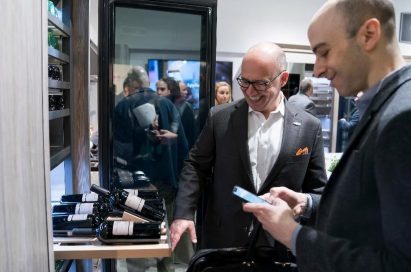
x: 247, y: 196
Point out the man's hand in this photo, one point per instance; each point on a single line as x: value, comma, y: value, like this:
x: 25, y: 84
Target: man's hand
x: 178, y: 227
x: 296, y: 201
x: 277, y: 219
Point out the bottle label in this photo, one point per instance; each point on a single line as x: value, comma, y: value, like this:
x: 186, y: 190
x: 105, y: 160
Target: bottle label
x: 132, y: 191
x: 84, y: 208
x: 123, y: 228
x: 92, y: 197
x: 77, y: 217
x: 135, y: 202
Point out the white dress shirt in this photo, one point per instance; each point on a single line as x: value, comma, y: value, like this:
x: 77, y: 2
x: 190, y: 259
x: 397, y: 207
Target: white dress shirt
x: 264, y: 141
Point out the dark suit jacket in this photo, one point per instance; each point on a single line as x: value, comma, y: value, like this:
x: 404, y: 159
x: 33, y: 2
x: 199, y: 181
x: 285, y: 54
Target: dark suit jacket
x: 221, y: 152
x: 364, y: 219
x: 304, y: 102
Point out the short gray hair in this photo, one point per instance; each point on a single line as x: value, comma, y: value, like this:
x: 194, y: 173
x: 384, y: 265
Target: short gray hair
x: 306, y: 85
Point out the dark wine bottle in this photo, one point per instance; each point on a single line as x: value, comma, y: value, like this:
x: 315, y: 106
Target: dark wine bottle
x: 131, y: 203
x: 120, y: 232
x: 98, y: 208
x: 146, y: 194
x: 81, y: 198
x: 72, y: 221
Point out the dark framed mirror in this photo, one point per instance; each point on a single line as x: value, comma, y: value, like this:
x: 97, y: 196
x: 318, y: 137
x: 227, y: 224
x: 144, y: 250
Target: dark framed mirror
x: 166, y: 39
x: 156, y: 85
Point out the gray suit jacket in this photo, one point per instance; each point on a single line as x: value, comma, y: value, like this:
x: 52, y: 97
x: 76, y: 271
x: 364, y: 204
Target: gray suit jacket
x: 304, y: 102
x: 364, y: 219
x: 220, y: 159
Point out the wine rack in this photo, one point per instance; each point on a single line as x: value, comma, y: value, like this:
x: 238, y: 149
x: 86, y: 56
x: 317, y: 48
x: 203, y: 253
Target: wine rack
x: 59, y: 83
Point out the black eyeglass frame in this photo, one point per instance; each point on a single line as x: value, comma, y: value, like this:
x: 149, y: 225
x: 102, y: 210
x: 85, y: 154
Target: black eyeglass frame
x: 258, y: 83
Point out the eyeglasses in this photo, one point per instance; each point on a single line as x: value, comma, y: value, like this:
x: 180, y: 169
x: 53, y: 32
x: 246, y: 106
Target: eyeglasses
x: 259, y: 85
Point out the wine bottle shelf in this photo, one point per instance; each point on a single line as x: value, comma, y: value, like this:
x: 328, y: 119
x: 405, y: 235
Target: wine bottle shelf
x: 58, y: 154
x: 58, y: 55
x: 58, y: 26
x: 65, y: 249
x: 59, y: 114
x: 57, y: 84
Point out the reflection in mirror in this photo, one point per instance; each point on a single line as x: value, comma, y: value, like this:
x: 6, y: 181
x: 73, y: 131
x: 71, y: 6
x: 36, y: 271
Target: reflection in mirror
x: 162, y: 67
x: 154, y: 123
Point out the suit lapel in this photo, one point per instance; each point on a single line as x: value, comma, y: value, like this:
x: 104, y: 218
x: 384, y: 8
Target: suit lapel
x: 291, y: 131
x: 240, y: 129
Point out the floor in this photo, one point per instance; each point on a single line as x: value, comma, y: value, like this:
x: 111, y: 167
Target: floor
x: 150, y: 266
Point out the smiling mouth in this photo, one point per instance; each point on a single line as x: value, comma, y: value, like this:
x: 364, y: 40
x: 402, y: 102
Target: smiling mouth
x: 254, y: 98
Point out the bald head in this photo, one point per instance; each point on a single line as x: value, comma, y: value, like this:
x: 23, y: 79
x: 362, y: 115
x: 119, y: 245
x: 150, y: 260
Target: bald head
x: 356, y: 12
x: 268, y: 51
x: 359, y: 48
x: 140, y: 75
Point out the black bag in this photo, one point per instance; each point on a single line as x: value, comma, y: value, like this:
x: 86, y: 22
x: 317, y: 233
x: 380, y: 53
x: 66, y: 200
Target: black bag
x: 240, y: 259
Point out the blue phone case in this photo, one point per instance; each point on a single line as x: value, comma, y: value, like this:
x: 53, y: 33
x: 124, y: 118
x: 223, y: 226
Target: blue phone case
x: 247, y: 196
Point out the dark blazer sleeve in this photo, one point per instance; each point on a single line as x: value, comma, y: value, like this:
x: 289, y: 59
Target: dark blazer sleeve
x: 197, y: 169
x: 392, y: 173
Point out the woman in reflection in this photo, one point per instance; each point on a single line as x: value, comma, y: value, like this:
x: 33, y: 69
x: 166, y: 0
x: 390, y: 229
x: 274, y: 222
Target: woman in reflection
x: 168, y: 87
x: 222, y: 93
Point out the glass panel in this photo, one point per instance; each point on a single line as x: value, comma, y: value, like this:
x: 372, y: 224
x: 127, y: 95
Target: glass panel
x: 153, y: 131
x: 161, y: 69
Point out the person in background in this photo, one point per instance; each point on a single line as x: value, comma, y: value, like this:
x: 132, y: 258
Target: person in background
x: 222, y: 93
x: 162, y: 88
x: 349, y: 125
x: 363, y: 221
x: 256, y: 143
x: 183, y: 89
x: 148, y: 136
x: 169, y: 86
x: 302, y: 98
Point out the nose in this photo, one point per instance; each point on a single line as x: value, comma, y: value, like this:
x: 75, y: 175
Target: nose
x: 319, y: 68
x: 250, y: 91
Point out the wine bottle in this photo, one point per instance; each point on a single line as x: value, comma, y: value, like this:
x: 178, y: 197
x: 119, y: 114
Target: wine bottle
x: 72, y: 221
x: 146, y: 194
x: 119, y: 232
x: 99, y: 208
x: 131, y: 203
x: 81, y: 198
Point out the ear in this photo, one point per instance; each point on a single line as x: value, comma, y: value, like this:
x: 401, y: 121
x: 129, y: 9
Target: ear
x: 284, y: 78
x: 369, y: 34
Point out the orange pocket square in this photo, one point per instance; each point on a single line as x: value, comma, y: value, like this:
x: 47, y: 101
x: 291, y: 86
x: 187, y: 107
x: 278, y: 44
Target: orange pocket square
x: 303, y: 151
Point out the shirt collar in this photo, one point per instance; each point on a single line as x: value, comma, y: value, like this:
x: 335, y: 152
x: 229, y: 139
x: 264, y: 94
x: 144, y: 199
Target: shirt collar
x: 280, y: 108
x: 365, y: 100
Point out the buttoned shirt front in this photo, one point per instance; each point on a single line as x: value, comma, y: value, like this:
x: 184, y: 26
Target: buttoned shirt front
x: 264, y: 141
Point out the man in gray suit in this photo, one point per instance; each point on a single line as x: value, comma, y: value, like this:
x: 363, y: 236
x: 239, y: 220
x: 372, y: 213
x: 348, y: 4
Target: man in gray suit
x: 257, y: 142
x: 363, y: 221
x: 302, y: 98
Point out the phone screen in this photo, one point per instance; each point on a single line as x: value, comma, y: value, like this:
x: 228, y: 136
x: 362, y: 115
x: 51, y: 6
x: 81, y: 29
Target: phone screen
x: 247, y: 196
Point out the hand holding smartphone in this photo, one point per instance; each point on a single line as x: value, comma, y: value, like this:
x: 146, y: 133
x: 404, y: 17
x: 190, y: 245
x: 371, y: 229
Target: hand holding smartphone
x: 247, y: 196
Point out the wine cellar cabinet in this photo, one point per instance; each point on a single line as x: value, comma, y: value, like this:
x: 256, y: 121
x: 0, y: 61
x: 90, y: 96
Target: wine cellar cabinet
x: 59, y: 82
x: 68, y: 56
